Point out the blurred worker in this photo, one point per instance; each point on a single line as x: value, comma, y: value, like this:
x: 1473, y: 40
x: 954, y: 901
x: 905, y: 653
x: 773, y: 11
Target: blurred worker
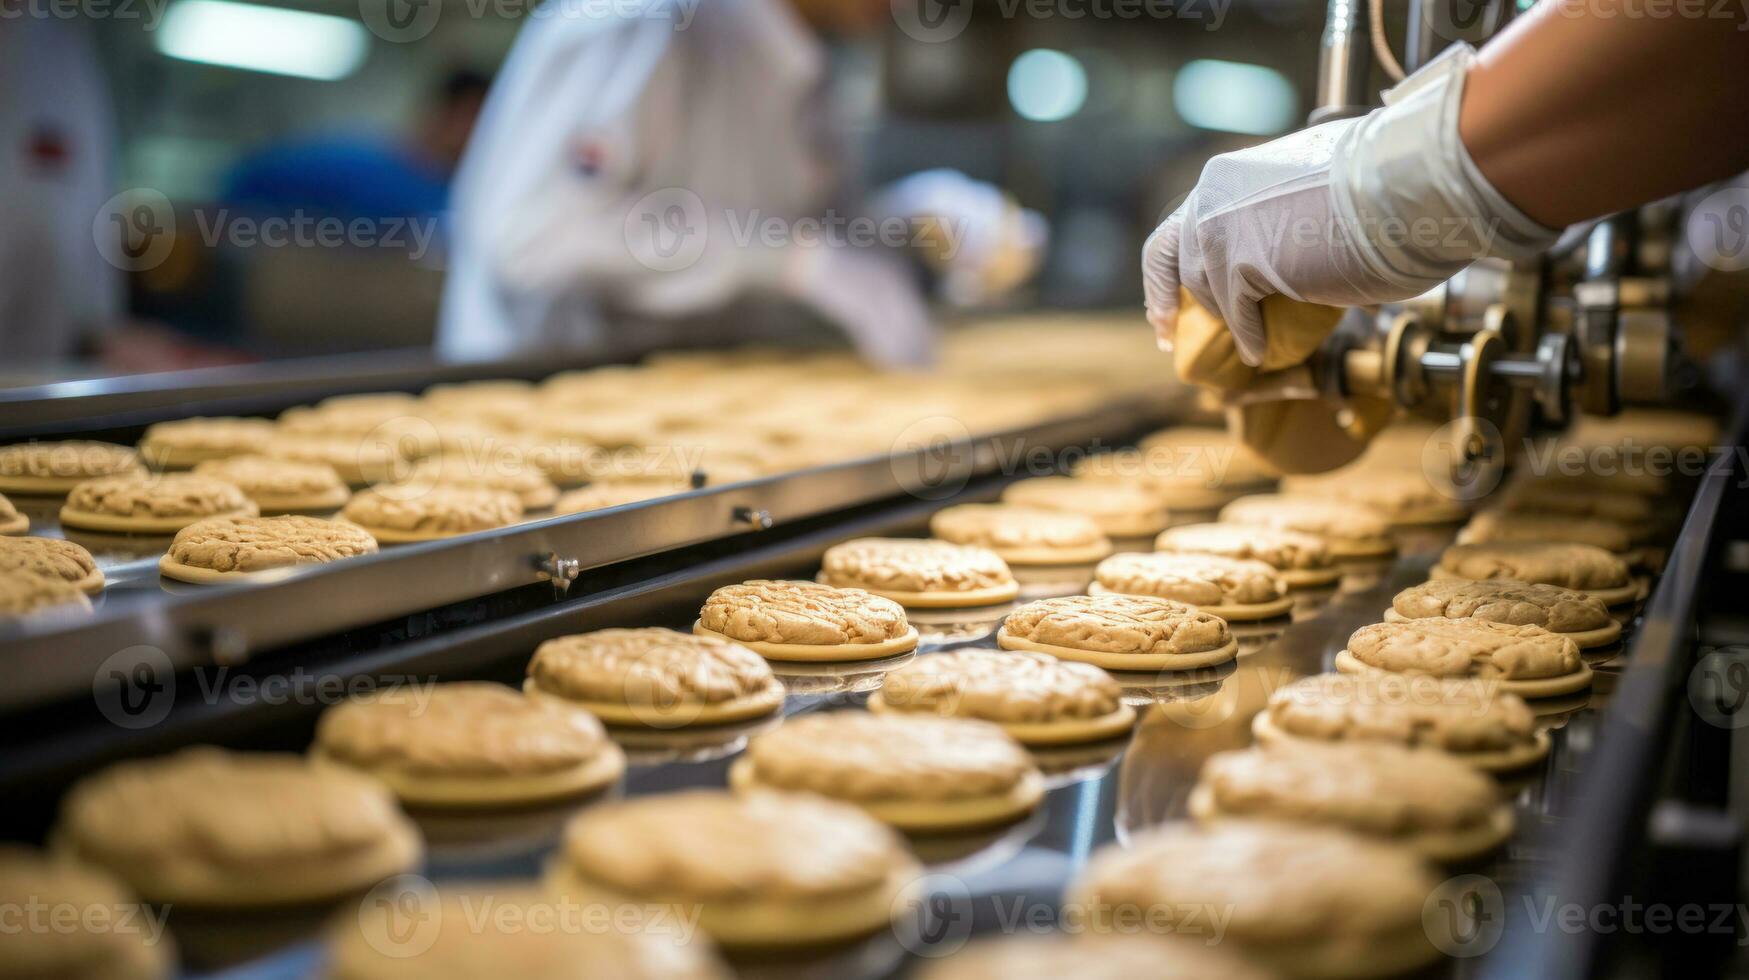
x: 669, y: 158
x: 1570, y: 114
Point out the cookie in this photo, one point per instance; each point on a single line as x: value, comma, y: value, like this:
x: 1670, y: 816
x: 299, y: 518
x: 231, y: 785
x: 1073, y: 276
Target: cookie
x: 153, y: 505
x: 920, y: 573
x: 470, y: 744
x: 28, y: 594
x: 1405, y: 497
x: 359, y: 461
x: 1578, y: 616
x: 1350, y: 530
x: 1023, y: 535
x: 11, y: 521
x: 1300, y: 560
x: 53, y: 468
x: 210, y: 828
x: 1302, y: 901
x: 806, y: 621
x: 1120, y: 632
x: 1540, y: 497
x: 108, y: 936
x: 236, y: 549
x: 1235, y: 589
x: 1527, y: 661
x: 397, y: 513
x: 495, y: 471
x: 1579, y: 567
x: 1466, y: 718
x: 655, y: 678
x: 51, y: 558
x: 1099, y: 956
x: 616, y: 493
x: 397, y: 425
x: 1501, y: 525
x: 280, y: 486
x: 730, y: 860
x: 180, y: 444
x: 1425, y: 801
x: 914, y: 772
x: 1202, y: 468
x: 1036, y: 698
x: 471, y: 929
x: 1118, y: 510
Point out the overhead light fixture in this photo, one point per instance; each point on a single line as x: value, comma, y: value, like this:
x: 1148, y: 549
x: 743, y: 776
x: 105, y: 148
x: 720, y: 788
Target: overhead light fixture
x: 1234, y: 98
x: 1046, y: 85
x: 251, y: 37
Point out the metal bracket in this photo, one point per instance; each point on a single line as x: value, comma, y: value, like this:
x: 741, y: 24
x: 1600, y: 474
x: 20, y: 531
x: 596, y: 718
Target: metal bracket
x: 759, y: 520
x: 559, y: 571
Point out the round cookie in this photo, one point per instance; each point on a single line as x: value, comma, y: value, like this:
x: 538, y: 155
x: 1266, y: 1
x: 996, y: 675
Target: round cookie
x: 1579, y: 567
x: 1426, y: 801
x: 1579, y: 616
x: 1235, y: 589
x: 1465, y: 718
x: 1120, y: 632
x: 209, y: 828
x: 1527, y: 661
x: 1300, y: 560
x: 1023, y: 535
x: 11, y: 521
x: 616, y: 493
x: 1405, y: 497
x: 1099, y: 956
x: 730, y: 859
x: 806, y: 621
x: 122, y: 947
x: 1302, y: 901
x: 280, y: 486
x: 30, y: 594
x: 53, y: 468
x: 396, y: 514
x: 494, y: 471
x: 1036, y: 698
x: 528, y: 934
x: 470, y: 744
x: 920, y: 573
x: 917, y: 773
x: 236, y: 549
x: 1118, y: 510
x: 398, y: 427
x: 1197, y: 467
x: 1538, y: 496
x: 180, y: 444
x: 154, y: 505
x: 1350, y: 530
x: 359, y: 460
x: 1502, y: 525
x: 54, y: 558
x: 655, y: 678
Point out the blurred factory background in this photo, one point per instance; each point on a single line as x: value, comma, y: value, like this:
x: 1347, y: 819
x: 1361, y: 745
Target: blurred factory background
x: 1097, y: 113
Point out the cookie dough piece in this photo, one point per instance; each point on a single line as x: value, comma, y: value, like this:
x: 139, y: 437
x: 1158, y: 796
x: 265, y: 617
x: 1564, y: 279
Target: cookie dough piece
x: 920, y: 573
x: 11, y: 521
x: 1209, y: 455
x: 152, y: 505
x: 208, y: 828
x: 1527, y: 661
x: 1036, y: 698
x: 1579, y: 616
x: 122, y: 947
x: 1537, y: 496
x: 1300, y: 560
x: 234, y: 549
x: 471, y: 744
x: 806, y: 621
x: 360, y: 461
x: 53, y: 468
x: 1350, y: 530
x: 51, y: 558
x: 1500, y: 525
x: 29, y: 594
x: 1120, y: 632
x: 397, y: 425
x: 916, y: 773
x: 401, y: 513
x: 1097, y: 956
x: 731, y: 860
x: 181, y: 444
x: 1465, y: 718
x: 1405, y: 497
x: 1235, y: 589
x: 1118, y: 510
x: 280, y: 486
x: 1023, y: 535
x: 1426, y: 801
x: 1580, y: 567
x: 494, y: 471
x: 656, y: 678
x: 1303, y: 901
x: 615, y: 493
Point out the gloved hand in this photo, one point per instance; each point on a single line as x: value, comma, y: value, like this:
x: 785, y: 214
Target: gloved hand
x: 1350, y: 213
x: 868, y: 294
x: 976, y: 237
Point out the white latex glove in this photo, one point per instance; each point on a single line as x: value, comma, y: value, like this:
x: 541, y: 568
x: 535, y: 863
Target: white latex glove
x: 1351, y: 213
x: 868, y: 294
x: 989, y: 243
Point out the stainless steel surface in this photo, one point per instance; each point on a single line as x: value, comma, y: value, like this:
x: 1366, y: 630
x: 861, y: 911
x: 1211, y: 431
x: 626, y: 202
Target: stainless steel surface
x: 1344, y: 63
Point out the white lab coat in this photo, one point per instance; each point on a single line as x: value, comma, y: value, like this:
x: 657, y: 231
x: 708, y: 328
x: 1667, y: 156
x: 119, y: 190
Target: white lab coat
x: 56, y: 129
x: 707, y: 106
